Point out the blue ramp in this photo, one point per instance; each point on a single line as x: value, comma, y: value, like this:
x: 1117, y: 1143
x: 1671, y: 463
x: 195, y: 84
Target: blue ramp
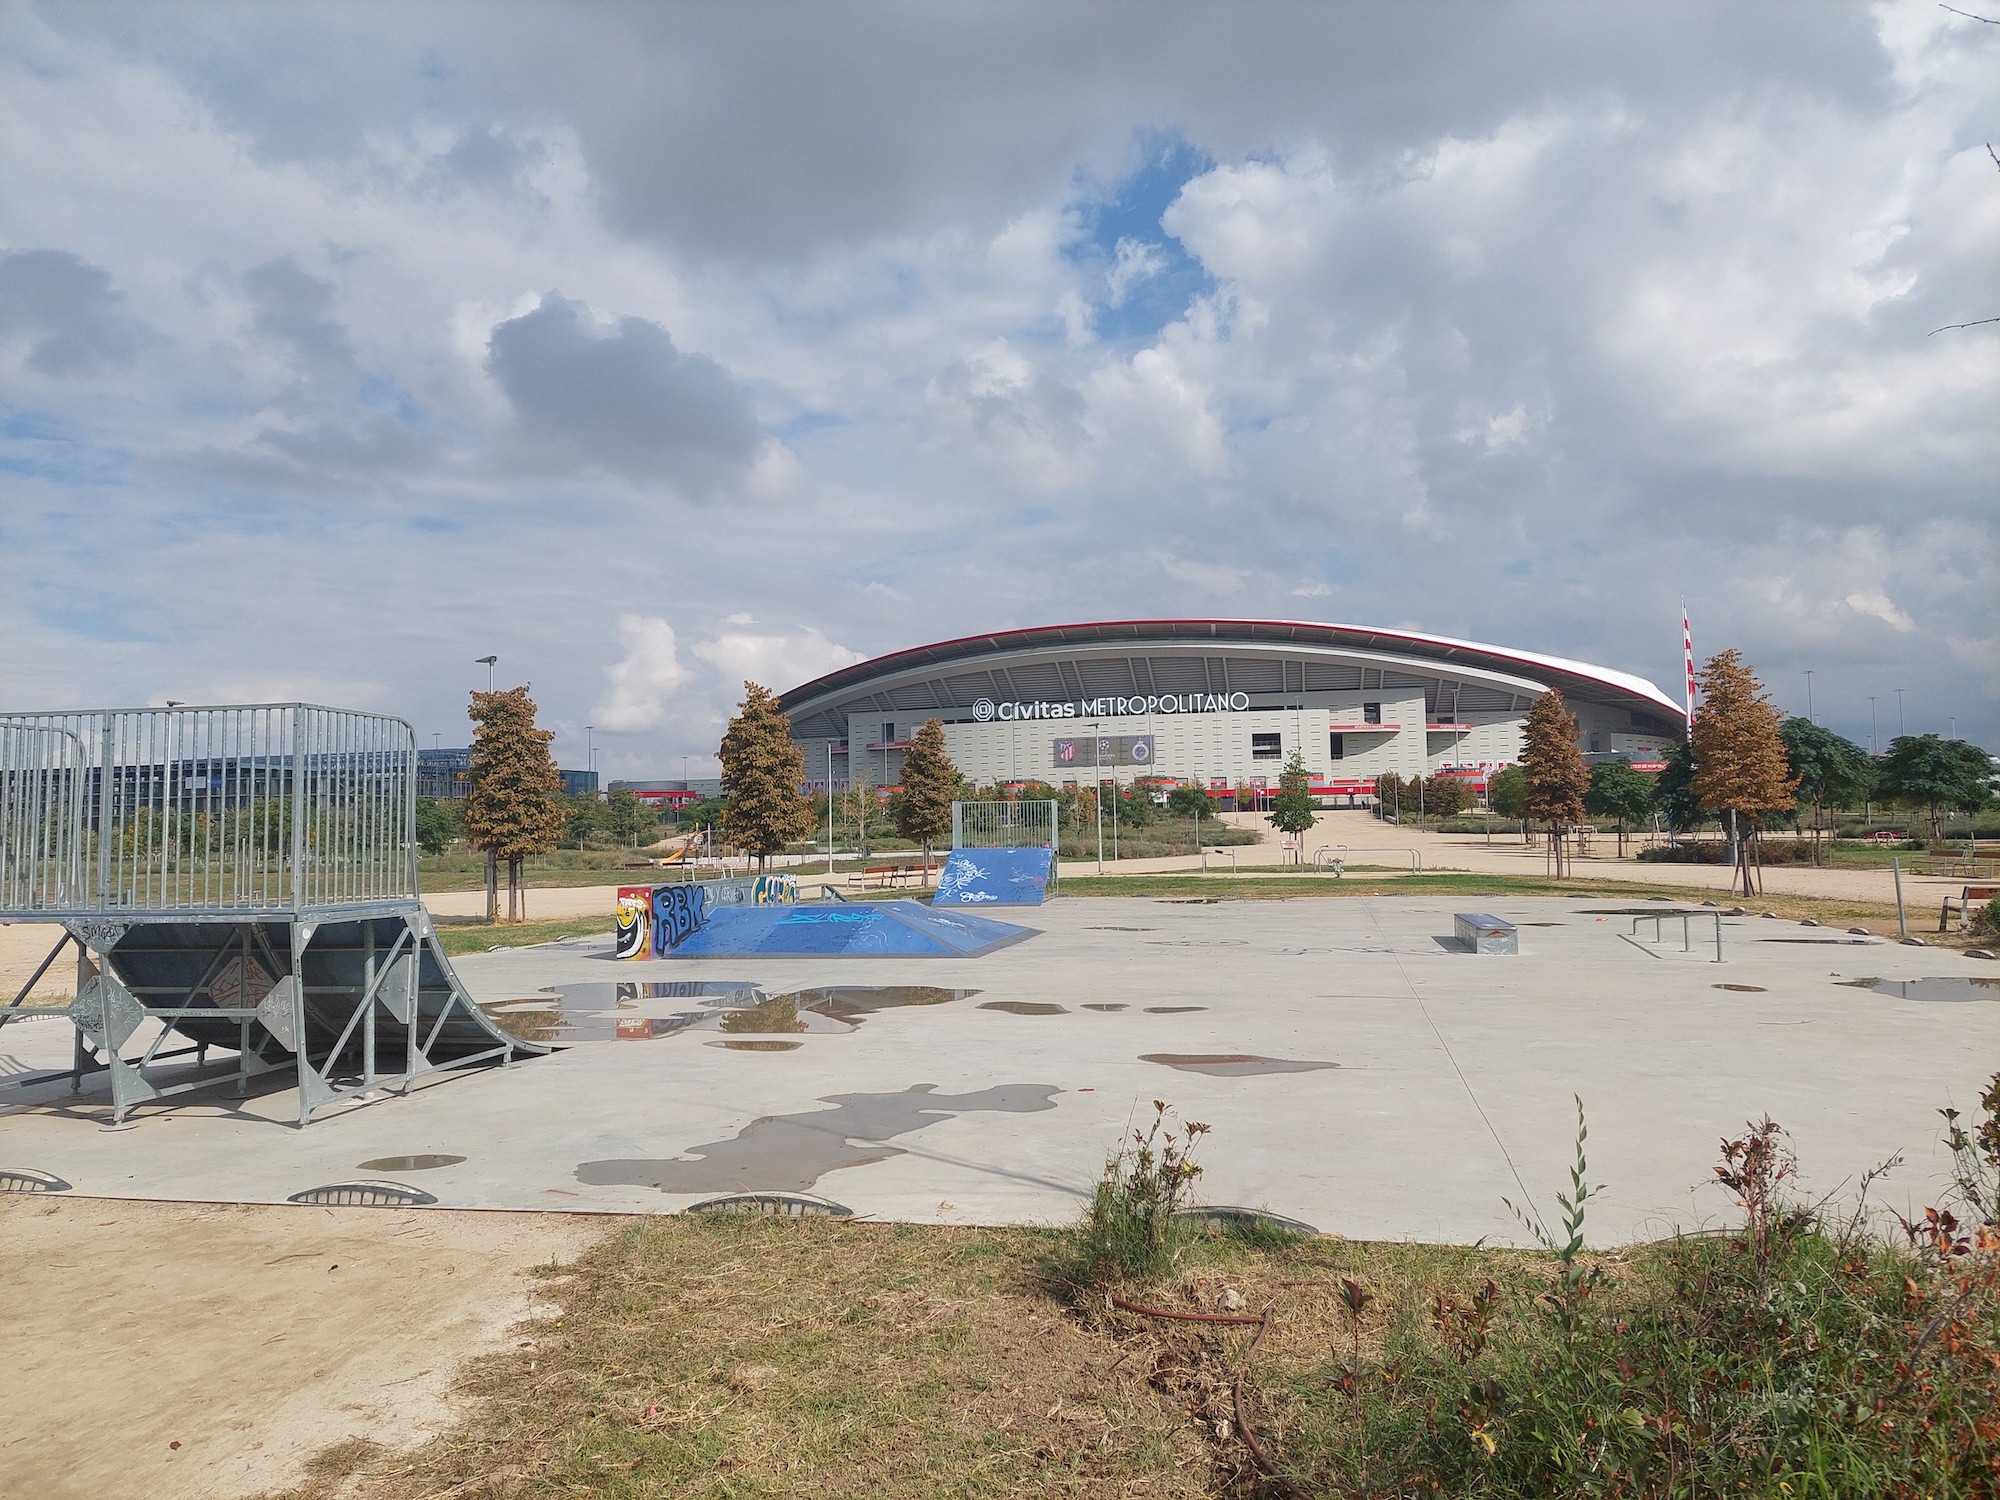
x: 884, y: 929
x: 994, y: 877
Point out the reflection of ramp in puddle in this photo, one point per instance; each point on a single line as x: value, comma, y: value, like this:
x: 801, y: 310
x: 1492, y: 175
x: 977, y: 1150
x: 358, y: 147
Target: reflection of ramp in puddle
x: 792, y: 1152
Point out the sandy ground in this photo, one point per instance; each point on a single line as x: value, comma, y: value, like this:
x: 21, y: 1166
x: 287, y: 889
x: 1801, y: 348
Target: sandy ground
x: 165, y: 1350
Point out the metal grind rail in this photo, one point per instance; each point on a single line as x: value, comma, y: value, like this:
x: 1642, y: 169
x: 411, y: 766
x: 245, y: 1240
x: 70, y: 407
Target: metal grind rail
x: 1687, y: 946
x: 240, y: 879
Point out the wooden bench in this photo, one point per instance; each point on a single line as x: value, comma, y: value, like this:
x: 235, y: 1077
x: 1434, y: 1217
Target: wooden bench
x: 1963, y: 902
x: 882, y: 877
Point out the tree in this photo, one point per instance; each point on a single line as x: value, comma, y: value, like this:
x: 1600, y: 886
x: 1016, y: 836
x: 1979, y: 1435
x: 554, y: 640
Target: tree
x: 1831, y: 771
x: 516, y: 805
x: 1189, y: 800
x: 930, y: 782
x: 1618, y: 791
x: 1673, y: 791
x: 1445, y: 796
x: 1928, y: 771
x: 1739, y: 760
x: 1507, y: 794
x: 437, y: 824
x: 859, y: 804
x: 630, y: 818
x: 761, y: 771
x: 1292, y: 809
x: 1389, y: 794
x: 1556, y: 774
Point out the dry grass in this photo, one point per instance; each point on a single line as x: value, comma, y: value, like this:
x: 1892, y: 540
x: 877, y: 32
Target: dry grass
x: 715, y: 1356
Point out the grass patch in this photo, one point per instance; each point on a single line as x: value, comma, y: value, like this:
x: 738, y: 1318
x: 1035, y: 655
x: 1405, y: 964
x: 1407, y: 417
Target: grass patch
x: 476, y: 937
x: 730, y: 1357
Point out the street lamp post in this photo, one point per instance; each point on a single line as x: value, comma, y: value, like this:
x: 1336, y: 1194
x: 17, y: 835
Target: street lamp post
x: 1809, y: 712
x: 486, y: 662
x: 829, y: 806
x: 1901, y: 730
x: 1871, y: 723
x: 1097, y: 789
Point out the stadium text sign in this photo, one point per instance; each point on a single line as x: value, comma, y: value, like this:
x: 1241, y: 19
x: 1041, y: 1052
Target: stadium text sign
x: 985, y: 709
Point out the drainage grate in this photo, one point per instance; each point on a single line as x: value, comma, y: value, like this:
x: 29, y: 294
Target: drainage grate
x: 363, y: 1195
x: 776, y: 1205
x: 28, y: 1180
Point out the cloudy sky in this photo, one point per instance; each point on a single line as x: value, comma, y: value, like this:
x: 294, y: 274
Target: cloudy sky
x: 654, y: 347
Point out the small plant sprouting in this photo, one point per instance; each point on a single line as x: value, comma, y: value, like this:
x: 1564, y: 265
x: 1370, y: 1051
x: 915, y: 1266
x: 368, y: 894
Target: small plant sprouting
x: 1130, y: 1229
x: 1975, y: 1157
x: 1354, y: 1299
x: 1577, y: 1281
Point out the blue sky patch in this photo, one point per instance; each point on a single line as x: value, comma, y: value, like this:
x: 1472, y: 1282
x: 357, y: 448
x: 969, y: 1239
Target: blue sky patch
x: 1146, y: 278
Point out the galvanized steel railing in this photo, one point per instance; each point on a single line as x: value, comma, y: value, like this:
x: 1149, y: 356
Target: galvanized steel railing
x: 268, y: 807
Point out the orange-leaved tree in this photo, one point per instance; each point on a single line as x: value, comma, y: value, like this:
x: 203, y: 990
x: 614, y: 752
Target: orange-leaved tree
x: 515, y: 807
x: 930, y: 783
x: 1740, y: 767
x: 762, y: 770
x: 1556, y: 775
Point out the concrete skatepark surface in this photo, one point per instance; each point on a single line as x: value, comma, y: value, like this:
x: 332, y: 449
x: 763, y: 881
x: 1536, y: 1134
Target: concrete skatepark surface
x: 1361, y: 1073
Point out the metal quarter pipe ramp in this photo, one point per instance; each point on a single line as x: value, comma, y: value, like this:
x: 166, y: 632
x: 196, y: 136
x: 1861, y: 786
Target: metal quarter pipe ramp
x: 239, y: 881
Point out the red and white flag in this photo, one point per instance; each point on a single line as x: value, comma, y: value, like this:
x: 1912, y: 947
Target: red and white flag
x: 1687, y: 649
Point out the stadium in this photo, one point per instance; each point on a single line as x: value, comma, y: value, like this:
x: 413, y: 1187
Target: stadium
x: 1218, y: 703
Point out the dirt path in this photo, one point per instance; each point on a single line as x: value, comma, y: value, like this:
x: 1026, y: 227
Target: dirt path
x: 155, y: 1351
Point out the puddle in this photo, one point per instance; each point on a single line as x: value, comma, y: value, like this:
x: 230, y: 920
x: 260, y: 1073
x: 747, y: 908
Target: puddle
x: 1541, y: 924
x: 850, y: 1002
x: 742, y: 1044
x: 1121, y: 929
x: 1741, y: 989
x: 1642, y: 911
x: 1172, y: 1010
x: 789, y: 1153
x: 1231, y: 1064
x: 1025, y: 1008
x: 426, y: 1163
x: 573, y: 1013
x: 1199, y: 943
x: 1958, y: 987
x: 1189, y: 900
x: 1823, y: 942
x: 1107, y: 1007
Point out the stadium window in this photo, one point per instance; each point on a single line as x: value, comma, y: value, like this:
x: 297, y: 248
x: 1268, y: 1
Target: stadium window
x: 1266, y: 747
x: 1336, y: 747
x: 1371, y: 713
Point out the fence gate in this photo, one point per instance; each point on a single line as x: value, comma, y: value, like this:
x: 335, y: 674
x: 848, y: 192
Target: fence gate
x: 1007, y: 825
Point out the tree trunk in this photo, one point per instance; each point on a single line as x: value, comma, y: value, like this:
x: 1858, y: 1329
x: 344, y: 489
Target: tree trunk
x: 492, y: 886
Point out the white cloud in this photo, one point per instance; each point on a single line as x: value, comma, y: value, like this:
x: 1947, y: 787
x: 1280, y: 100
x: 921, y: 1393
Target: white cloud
x: 1879, y: 606
x: 645, y: 680
x: 779, y: 662
x: 1133, y: 263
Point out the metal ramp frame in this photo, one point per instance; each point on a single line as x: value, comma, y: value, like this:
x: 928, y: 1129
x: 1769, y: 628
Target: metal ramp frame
x: 235, y: 880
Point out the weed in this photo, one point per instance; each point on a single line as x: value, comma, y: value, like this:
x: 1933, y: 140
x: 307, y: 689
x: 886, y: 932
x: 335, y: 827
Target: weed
x: 1130, y: 1230
x: 1975, y: 1158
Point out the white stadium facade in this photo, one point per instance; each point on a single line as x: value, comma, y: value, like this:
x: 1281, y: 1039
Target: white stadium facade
x: 1218, y: 703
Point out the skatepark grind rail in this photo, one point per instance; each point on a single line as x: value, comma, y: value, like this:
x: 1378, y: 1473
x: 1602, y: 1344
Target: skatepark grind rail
x: 239, y: 879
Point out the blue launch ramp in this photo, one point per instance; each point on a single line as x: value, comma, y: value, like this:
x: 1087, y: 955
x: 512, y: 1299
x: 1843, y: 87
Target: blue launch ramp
x: 994, y: 877
x: 872, y: 929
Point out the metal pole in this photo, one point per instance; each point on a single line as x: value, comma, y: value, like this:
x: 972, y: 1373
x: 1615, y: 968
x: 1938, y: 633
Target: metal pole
x: 1097, y: 791
x: 1902, y: 925
x: 1901, y: 729
x: 1871, y: 723
x: 1809, y: 712
x: 829, y: 806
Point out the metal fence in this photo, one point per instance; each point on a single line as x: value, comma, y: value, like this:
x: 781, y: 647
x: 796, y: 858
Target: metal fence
x: 1008, y: 825
x: 269, y: 807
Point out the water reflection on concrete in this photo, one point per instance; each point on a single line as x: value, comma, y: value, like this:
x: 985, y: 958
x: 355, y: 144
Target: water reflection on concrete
x: 566, y: 1015
x: 1232, y: 1064
x: 1953, y: 987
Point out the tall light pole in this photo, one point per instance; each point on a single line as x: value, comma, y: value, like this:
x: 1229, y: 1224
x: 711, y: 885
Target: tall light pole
x: 1871, y: 723
x: 590, y: 749
x: 1809, y: 712
x: 1097, y: 789
x: 1901, y: 731
x: 486, y: 662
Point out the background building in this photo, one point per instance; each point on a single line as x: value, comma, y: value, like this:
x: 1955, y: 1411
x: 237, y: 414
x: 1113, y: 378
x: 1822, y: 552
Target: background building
x: 1217, y: 702
x: 446, y: 775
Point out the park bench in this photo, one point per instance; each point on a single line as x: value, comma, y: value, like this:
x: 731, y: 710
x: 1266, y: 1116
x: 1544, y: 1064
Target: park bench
x: 1482, y: 932
x: 881, y: 877
x: 1967, y: 898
